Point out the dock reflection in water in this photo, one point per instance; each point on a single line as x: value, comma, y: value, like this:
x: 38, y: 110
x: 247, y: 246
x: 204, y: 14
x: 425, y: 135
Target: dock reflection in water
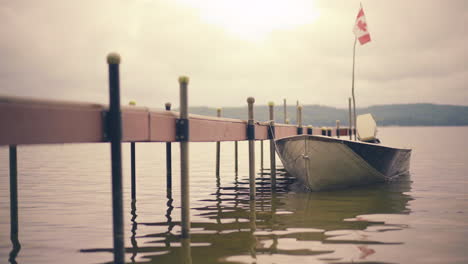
x: 16, y: 246
x: 283, y: 226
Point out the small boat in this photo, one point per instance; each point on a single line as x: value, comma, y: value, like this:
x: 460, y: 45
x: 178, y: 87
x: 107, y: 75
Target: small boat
x: 328, y: 163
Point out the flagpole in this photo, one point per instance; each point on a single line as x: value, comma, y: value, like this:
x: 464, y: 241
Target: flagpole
x: 352, y: 89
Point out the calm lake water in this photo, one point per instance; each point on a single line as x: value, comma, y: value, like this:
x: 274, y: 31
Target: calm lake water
x: 65, y: 208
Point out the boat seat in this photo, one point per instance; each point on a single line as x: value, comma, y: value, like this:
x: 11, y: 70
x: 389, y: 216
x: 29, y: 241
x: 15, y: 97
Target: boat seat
x: 366, y: 128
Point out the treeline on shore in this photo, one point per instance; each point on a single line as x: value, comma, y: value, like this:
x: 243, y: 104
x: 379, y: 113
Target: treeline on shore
x: 385, y: 115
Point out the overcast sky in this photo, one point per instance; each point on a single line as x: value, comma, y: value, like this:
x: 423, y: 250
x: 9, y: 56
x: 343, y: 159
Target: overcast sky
x: 232, y: 49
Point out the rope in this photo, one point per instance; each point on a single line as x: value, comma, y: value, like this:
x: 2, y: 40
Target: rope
x: 272, y: 132
x: 304, y: 156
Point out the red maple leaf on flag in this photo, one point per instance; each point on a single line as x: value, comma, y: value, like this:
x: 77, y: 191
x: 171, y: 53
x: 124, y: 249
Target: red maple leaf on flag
x: 362, y: 25
x: 360, y: 28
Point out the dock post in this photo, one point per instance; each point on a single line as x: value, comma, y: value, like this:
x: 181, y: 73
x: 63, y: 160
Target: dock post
x: 14, y: 204
x: 133, y: 169
x: 271, y: 107
x: 297, y: 111
x: 310, y: 130
x: 114, y: 130
x: 236, y: 158
x: 218, y: 147
x: 251, y: 138
x: 183, y: 125
x: 133, y: 163
x: 285, y: 112
x: 299, y: 120
x: 261, y: 155
x: 168, y: 157
x: 186, y: 251
x: 338, y: 128
x: 350, y: 130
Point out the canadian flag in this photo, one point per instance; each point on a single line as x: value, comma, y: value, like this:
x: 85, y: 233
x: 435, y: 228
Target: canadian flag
x: 360, y: 28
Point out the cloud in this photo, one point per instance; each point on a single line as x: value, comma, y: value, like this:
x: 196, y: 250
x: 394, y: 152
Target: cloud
x: 56, y: 49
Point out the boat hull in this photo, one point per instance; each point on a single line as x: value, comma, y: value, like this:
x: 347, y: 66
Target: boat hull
x: 324, y: 163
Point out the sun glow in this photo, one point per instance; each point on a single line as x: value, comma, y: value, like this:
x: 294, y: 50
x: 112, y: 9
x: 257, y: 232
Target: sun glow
x: 254, y: 19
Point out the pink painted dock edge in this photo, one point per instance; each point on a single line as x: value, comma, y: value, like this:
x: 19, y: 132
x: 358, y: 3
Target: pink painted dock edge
x: 28, y: 121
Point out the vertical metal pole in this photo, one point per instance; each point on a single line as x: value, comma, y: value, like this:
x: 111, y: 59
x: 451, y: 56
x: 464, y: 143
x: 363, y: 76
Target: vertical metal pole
x: 285, y: 110
x: 251, y: 102
x: 297, y: 111
x: 184, y: 161
x: 13, y: 193
x: 338, y: 128
x: 115, y: 135
x: 133, y: 163
x: 352, y: 89
x: 350, y: 131
x: 253, y: 217
x: 168, y: 157
x: 261, y: 155
x: 133, y: 168
x: 299, y: 119
x: 253, y: 228
x: 218, y: 147
x: 271, y: 107
x: 186, y: 251
x: 236, y: 158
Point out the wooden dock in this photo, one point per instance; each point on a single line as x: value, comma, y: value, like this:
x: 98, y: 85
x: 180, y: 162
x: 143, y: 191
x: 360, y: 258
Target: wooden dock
x: 26, y: 121
x: 31, y: 121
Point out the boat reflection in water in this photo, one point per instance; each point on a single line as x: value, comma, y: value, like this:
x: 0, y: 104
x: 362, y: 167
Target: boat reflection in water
x: 283, y: 226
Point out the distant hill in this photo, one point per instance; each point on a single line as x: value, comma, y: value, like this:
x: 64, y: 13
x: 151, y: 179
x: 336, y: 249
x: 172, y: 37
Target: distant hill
x: 385, y: 115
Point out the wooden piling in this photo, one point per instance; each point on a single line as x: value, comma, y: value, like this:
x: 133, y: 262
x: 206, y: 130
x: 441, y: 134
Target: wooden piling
x: 168, y: 157
x: 299, y: 120
x: 271, y: 107
x: 114, y: 131
x: 350, y: 131
x: 218, y: 147
x: 184, y: 159
x: 251, y: 138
